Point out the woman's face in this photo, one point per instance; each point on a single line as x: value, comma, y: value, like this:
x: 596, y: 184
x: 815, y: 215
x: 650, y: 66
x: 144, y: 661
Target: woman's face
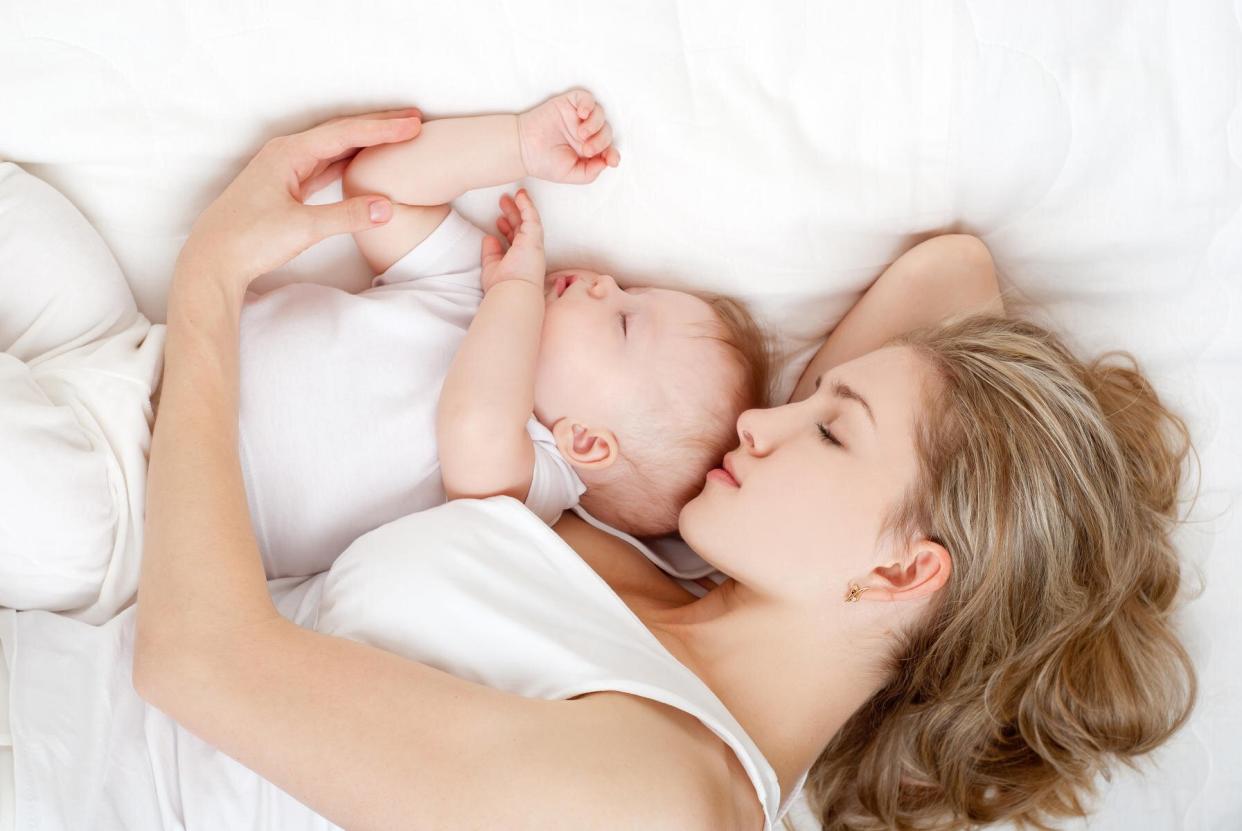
x: 796, y: 513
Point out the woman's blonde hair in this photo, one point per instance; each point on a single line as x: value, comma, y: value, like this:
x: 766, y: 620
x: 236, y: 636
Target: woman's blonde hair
x: 1050, y: 653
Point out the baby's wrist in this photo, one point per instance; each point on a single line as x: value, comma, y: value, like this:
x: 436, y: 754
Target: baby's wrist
x: 519, y: 122
x: 517, y: 279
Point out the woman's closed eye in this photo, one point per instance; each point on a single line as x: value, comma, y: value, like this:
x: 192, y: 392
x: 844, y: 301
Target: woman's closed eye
x: 827, y: 435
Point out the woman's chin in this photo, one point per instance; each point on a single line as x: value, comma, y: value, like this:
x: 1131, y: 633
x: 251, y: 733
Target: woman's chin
x: 693, y: 514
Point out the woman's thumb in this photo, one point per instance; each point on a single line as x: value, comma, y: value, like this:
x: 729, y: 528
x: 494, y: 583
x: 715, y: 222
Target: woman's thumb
x: 349, y: 215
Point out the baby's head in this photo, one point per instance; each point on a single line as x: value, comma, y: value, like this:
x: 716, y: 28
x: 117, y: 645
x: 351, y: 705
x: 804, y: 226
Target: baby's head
x: 642, y: 388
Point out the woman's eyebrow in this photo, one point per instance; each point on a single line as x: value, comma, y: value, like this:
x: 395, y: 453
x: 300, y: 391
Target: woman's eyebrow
x: 843, y: 390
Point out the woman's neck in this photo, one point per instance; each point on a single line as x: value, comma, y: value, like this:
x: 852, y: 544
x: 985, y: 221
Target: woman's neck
x: 789, y: 684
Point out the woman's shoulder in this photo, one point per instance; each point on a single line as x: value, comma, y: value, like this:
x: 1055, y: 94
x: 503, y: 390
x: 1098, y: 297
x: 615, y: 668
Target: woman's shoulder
x: 484, y: 590
x: 690, y: 777
x: 727, y: 792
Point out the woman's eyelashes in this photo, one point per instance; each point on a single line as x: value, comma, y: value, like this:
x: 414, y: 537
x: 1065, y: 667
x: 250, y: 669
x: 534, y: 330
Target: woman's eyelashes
x: 827, y: 435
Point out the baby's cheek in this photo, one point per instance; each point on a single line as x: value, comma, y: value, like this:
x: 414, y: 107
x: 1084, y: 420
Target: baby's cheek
x: 558, y: 379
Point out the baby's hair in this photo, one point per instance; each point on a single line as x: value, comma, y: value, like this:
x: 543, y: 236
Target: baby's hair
x: 741, y: 333
x: 652, y: 483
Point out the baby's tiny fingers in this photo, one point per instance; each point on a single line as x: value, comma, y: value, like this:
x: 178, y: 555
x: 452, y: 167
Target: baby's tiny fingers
x: 527, y: 207
x: 525, y: 204
x: 588, y: 169
x: 583, y: 101
x: 591, y: 126
x: 510, y: 210
x: 492, y: 251
x: 599, y: 142
x: 505, y: 228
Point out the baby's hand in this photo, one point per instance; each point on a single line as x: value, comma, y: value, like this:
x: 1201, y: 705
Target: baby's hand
x: 524, y: 260
x: 566, y: 139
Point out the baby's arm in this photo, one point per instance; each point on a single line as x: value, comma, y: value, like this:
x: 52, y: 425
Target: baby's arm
x: 939, y: 277
x: 564, y: 139
x: 450, y: 157
x: 489, y: 391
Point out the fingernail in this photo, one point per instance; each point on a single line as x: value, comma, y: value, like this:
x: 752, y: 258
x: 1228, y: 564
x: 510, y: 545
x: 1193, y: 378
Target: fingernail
x: 381, y: 211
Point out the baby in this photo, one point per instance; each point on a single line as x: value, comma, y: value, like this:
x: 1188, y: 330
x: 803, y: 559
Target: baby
x: 467, y: 371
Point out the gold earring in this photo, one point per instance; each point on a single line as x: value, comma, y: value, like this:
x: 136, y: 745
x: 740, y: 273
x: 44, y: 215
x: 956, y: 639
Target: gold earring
x: 855, y: 592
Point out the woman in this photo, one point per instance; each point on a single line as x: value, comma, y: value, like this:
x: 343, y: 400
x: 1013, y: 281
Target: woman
x: 950, y: 583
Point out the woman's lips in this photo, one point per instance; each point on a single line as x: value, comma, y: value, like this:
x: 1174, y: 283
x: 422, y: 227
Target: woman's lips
x: 721, y: 475
x: 563, y: 282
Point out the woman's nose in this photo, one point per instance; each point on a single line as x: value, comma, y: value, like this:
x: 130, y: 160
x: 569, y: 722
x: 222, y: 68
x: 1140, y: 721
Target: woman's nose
x: 746, y: 432
x: 761, y: 430
x: 602, y: 286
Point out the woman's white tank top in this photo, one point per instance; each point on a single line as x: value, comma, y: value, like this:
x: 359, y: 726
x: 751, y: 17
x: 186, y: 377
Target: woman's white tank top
x: 483, y: 590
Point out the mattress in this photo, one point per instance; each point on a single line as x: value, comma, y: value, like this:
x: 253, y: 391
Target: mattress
x: 782, y: 152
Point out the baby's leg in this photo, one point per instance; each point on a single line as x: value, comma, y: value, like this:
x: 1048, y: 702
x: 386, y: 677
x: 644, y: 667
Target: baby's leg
x: 78, y: 366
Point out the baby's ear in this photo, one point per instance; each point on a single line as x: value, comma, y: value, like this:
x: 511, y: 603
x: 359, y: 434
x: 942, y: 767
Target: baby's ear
x: 589, y: 448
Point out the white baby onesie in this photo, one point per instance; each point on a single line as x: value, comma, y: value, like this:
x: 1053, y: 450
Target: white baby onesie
x: 338, y: 403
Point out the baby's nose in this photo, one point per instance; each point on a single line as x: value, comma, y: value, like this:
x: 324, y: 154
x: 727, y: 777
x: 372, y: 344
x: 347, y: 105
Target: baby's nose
x: 603, y: 285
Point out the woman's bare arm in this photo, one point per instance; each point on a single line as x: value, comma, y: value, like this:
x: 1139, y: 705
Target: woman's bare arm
x: 363, y: 736
x: 935, y: 279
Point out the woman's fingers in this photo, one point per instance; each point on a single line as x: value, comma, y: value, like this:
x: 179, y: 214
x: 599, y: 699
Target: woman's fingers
x: 323, y: 178
x: 402, y: 113
x: 360, y: 213
x: 328, y: 141
x: 408, y: 112
x: 335, y: 140
x: 324, y: 163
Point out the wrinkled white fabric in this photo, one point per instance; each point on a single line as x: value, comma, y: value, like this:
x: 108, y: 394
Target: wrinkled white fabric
x: 78, y: 366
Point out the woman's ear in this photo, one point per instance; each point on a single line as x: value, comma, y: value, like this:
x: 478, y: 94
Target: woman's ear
x: 585, y: 447
x: 925, y: 569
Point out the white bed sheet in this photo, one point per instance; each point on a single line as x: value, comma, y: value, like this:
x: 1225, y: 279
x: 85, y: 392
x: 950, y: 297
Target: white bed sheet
x: 783, y: 152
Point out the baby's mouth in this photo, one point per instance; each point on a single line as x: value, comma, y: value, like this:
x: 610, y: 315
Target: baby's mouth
x: 563, y: 282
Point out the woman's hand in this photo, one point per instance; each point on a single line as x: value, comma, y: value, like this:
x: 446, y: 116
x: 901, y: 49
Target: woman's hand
x: 523, y: 229
x: 260, y: 222
x: 566, y: 139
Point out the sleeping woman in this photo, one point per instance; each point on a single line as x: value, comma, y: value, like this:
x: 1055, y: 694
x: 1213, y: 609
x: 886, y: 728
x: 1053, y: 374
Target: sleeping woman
x: 948, y: 596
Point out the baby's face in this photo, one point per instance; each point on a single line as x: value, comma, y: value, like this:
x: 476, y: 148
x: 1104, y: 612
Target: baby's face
x: 604, y: 350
